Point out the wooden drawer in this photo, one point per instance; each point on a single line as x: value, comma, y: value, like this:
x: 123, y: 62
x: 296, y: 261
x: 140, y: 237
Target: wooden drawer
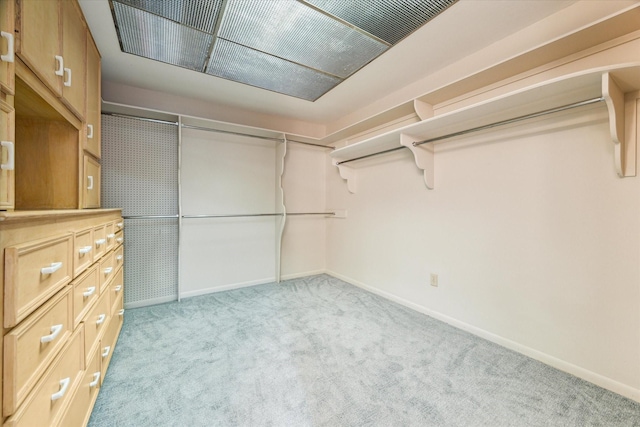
x: 119, y: 225
x: 95, y: 323
x: 108, y: 343
x: 99, y: 241
x: 111, y: 235
x: 85, y: 397
x: 33, y: 272
x: 107, y: 270
x: 119, y: 237
x: 116, y: 290
x: 83, y: 251
x: 91, y: 183
x: 52, y: 395
x: 30, y: 347
x: 118, y: 256
x: 86, y: 290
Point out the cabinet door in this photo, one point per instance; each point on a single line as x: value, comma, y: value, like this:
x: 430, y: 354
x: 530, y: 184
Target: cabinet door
x: 7, y: 156
x: 91, y: 187
x: 7, y: 46
x: 92, y: 140
x: 74, y: 50
x: 39, y: 40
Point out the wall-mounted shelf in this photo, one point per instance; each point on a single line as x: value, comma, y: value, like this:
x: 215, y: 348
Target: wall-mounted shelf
x: 616, y: 86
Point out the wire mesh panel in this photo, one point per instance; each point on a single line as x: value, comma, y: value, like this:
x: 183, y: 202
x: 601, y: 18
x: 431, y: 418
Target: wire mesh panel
x: 140, y: 175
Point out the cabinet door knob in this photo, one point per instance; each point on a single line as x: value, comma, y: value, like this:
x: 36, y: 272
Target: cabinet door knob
x: 106, y: 350
x: 121, y: 312
x: 64, y: 384
x: 108, y: 270
x: 11, y: 156
x: 96, y: 377
x: 84, y: 250
x: 10, y: 51
x: 101, y: 242
x: 101, y: 319
x: 55, y: 330
x: 55, y: 266
x: 67, y: 81
x: 118, y: 288
x: 90, y: 131
x: 60, y: 70
x: 89, y: 291
x: 90, y: 184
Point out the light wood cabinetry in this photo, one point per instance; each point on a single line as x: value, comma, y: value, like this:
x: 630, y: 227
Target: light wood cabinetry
x: 74, y: 47
x: 92, y: 143
x: 62, y: 317
x: 7, y: 156
x: 7, y: 46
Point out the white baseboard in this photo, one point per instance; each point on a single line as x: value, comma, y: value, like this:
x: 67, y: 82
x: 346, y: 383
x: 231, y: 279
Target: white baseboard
x: 148, y: 302
x: 592, y: 377
x: 299, y: 275
x: 206, y: 291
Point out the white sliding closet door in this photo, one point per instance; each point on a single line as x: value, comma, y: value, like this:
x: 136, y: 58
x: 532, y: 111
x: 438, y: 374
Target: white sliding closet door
x: 225, y: 174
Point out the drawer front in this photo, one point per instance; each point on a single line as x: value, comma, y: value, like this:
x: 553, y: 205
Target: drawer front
x: 108, y: 343
x: 116, y: 291
x: 95, y: 322
x: 118, y: 256
x: 107, y: 270
x: 33, y: 272
x: 30, y: 347
x: 46, y: 404
x: 91, y: 186
x: 83, y: 251
x: 119, y: 225
x: 85, y: 397
x: 86, y: 290
x: 99, y: 241
x: 119, y: 237
x: 111, y: 235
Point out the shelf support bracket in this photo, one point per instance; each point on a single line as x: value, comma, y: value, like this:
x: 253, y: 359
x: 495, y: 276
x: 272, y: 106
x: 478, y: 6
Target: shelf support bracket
x: 423, y: 155
x: 423, y: 109
x: 615, y: 100
x: 348, y: 174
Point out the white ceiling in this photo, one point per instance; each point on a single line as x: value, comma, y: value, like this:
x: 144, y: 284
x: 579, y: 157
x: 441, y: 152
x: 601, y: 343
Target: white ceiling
x: 464, y: 29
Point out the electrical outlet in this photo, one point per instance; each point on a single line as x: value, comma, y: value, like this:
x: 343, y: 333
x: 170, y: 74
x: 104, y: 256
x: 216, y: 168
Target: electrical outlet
x: 434, y: 279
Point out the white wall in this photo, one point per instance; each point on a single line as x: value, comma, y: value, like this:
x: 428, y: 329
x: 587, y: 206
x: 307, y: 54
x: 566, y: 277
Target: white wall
x: 535, y: 239
x: 226, y: 174
x: 304, y: 184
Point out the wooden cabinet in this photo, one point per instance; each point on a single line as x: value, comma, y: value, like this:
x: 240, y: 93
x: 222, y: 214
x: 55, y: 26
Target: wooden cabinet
x: 74, y: 48
x: 94, y: 99
x: 63, y: 332
x: 7, y: 46
x: 7, y: 156
x: 91, y: 183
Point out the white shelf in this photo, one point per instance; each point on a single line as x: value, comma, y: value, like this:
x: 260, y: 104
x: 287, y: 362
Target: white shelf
x: 528, y: 100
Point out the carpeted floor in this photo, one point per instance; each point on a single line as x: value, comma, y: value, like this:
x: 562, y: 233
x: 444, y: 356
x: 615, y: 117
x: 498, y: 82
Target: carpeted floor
x: 320, y: 352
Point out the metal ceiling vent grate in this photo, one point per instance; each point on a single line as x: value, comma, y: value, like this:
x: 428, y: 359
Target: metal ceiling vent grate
x: 301, y: 48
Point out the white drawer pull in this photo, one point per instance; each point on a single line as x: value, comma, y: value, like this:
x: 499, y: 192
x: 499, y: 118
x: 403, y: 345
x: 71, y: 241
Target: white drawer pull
x: 84, y: 250
x: 121, y: 312
x: 60, y: 70
x: 106, y: 350
x: 55, y: 330
x: 101, y: 242
x: 90, y: 131
x: 67, y: 81
x: 9, y: 57
x: 89, y: 291
x: 120, y: 224
x: 110, y: 236
x: 118, y: 257
x: 90, y: 184
x: 108, y: 270
x: 96, y: 378
x: 101, y: 318
x: 118, y: 288
x: 119, y: 240
x: 11, y: 156
x: 55, y: 266
x: 64, y: 384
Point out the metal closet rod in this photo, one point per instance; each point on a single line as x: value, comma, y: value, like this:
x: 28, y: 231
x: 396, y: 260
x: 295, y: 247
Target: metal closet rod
x: 167, y: 122
x: 484, y: 127
x: 222, y: 216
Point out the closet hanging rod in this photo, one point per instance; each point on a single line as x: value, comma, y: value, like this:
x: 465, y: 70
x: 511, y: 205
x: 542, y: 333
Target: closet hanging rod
x: 149, y: 216
x: 513, y: 120
x: 488, y: 126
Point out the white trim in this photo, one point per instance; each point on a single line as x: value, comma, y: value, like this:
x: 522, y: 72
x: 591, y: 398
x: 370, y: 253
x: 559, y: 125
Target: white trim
x: 148, y: 302
x: 304, y: 274
x: 228, y: 287
x: 585, y: 374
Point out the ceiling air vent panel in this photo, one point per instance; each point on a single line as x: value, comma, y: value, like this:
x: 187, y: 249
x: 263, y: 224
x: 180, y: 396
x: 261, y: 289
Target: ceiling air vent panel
x: 241, y: 64
x: 290, y: 30
x: 151, y: 36
x: 198, y: 14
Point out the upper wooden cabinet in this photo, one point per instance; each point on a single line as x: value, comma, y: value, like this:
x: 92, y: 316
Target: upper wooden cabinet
x: 39, y: 41
x: 92, y: 139
x: 74, y: 49
x: 52, y: 43
x: 7, y: 46
x: 7, y: 156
